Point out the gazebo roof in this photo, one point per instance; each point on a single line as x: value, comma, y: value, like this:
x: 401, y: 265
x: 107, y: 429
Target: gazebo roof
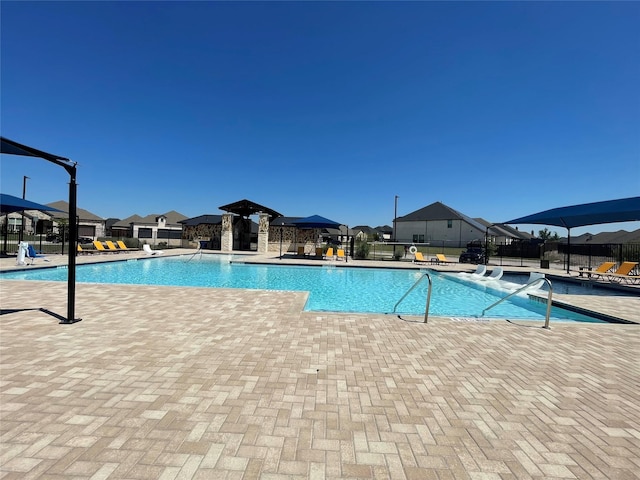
x: 246, y: 207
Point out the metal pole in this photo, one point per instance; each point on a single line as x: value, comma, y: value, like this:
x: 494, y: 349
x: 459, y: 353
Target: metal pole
x: 73, y: 248
x: 24, y: 195
x: 395, y: 216
x: 281, y: 224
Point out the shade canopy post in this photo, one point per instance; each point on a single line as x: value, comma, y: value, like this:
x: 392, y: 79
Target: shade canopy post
x: 14, y: 148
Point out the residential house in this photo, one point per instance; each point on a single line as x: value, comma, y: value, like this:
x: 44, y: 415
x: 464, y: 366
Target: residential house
x: 154, y: 229
x: 439, y: 225
x: 502, y: 234
x: 90, y: 225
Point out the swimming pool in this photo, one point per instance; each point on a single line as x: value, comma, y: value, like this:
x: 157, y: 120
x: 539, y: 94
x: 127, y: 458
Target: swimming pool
x: 331, y: 288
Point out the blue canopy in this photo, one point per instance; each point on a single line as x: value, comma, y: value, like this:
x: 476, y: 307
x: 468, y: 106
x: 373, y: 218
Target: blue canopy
x: 315, y: 221
x: 610, y: 211
x: 9, y: 204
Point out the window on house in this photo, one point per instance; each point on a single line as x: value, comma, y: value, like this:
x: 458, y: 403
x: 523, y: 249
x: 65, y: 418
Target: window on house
x: 145, y: 233
x: 449, y: 223
x: 418, y: 238
x: 169, y: 233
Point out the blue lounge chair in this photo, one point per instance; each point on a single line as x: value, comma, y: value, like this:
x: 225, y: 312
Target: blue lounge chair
x: 32, y: 254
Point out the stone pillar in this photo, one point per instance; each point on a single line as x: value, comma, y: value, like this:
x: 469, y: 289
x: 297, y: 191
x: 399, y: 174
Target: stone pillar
x: 263, y: 233
x: 226, y: 237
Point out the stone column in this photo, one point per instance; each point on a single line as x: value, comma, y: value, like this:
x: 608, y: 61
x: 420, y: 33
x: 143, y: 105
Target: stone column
x: 226, y: 237
x: 263, y: 233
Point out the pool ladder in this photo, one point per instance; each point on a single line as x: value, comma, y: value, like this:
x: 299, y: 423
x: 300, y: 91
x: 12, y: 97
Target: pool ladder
x: 537, y: 280
x: 426, y: 312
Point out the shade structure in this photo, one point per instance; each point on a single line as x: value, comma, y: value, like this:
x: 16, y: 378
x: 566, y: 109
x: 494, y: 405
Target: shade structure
x: 610, y: 211
x: 245, y: 208
x: 12, y: 147
x: 9, y: 204
x: 596, y: 213
x: 315, y: 221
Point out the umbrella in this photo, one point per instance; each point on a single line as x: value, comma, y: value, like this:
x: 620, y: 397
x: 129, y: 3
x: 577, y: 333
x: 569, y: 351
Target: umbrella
x: 10, y: 204
x: 315, y: 221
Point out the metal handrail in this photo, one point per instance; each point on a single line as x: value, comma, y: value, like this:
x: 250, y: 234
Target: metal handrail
x: 549, y: 298
x: 426, y: 313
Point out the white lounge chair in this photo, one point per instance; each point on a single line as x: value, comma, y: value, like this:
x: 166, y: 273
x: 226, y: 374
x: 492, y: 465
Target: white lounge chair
x: 147, y: 249
x: 496, y: 274
x: 481, y: 270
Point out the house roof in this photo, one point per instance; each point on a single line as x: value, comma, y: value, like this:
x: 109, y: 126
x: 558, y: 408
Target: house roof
x: 500, y: 230
x: 621, y: 236
x: 126, y: 222
x: 439, y: 211
x: 80, y: 212
x: 202, y: 219
x: 173, y: 218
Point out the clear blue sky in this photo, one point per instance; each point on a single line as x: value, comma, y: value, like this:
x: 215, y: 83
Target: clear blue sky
x: 497, y: 109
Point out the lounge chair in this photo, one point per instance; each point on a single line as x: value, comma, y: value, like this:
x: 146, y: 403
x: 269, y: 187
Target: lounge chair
x: 301, y: 251
x: 340, y: 255
x: 624, y: 273
x: 496, y: 274
x: 419, y: 258
x: 481, y: 271
x: 83, y: 251
x: 329, y: 254
x: 442, y: 258
x: 111, y: 246
x: 99, y: 246
x: 147, y: 249
x: 598, y: 272
x: 122, y: 246
x: 32, y: 254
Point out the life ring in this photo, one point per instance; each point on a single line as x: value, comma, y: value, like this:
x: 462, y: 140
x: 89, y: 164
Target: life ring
x: 413, y: 249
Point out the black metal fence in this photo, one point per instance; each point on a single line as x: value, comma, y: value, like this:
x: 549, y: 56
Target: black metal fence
x: 43, y: 243
x: 580, y: 255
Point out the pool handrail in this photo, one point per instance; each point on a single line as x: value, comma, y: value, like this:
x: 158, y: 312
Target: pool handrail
x: 426, y: 312
x: 537, y: 280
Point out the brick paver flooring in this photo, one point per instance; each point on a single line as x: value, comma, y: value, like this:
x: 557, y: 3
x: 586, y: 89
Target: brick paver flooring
x: 191, y: 383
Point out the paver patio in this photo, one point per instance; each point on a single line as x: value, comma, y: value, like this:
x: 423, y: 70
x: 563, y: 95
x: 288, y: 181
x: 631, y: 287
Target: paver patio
x: 172, y: 383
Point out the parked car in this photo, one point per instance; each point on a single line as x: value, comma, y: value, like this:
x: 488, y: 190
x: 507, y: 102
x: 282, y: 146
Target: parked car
x: 474, y: 254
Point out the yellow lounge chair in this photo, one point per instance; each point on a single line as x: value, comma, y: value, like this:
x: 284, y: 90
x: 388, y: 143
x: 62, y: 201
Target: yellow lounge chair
x: 111, y: 246
x: 419, y: 258
x: 442, y: 259
x: 623, y: 273
x: 340, y: 255
x: 329, y: 253
x: 100, y: 247
x: 124, y: 247
x: 598, y: 272
x: 83, y: 251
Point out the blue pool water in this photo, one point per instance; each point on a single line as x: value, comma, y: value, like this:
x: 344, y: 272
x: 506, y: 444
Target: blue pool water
x: 366, y: 290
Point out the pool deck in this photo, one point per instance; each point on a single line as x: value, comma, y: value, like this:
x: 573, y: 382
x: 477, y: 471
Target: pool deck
x: 195, y: 383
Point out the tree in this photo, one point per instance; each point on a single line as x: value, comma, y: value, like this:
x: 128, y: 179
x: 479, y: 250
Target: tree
x: 546, y: 235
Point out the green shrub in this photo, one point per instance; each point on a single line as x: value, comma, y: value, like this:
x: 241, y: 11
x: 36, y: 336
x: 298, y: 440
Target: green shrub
x: 362, y: 250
